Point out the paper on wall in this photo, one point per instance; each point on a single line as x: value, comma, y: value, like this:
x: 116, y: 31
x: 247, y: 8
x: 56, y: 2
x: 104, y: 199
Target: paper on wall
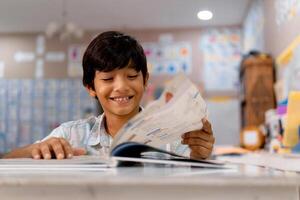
x: 75, y: 54
x: 2, y: 65
x: 55, y: 56
x: 40, y: 45
x: 22, y: 56
x: 39, y: 68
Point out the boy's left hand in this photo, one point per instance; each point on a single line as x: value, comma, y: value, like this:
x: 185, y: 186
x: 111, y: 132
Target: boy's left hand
x: 200, y: 141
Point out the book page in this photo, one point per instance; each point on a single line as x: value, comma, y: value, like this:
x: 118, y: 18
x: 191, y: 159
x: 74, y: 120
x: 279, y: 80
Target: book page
x: 180, y: 109
x: 77, y: 162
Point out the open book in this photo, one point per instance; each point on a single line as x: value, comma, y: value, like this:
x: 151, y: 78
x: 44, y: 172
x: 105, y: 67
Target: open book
x: 179, y: 109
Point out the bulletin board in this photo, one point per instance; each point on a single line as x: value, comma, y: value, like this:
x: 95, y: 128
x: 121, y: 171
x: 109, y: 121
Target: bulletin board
x: 168, y: 59
x: 222, y: 54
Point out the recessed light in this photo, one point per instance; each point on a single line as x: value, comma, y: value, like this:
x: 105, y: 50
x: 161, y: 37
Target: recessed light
x: 205, y: 15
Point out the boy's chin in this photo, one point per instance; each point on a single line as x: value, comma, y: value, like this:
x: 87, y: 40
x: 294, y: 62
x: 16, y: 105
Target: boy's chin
x: 125, y: 111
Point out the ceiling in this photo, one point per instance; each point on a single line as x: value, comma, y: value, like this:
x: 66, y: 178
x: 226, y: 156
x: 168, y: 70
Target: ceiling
x: 34, y: 15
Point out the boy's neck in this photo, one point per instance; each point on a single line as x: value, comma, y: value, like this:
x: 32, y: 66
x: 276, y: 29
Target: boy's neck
x: 113, y: 123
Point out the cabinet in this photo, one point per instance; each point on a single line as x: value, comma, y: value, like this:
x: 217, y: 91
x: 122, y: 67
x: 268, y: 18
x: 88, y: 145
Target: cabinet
x: 257, y: 78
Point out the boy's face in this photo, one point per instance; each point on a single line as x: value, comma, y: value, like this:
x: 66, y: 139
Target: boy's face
x: 119, y: 91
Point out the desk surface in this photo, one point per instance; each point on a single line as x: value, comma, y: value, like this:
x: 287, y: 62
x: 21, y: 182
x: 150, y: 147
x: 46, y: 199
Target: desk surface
x: 241, y: 182
x: 240, y: 175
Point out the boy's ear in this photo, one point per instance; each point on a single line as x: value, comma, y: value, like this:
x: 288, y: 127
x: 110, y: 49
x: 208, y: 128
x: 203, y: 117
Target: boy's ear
x: 91, y: 91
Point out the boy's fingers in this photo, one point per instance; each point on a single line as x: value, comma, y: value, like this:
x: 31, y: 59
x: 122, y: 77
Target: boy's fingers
x: 58, y: 149
x: 207, y: 127
x: 79, y: 151
x: 198, y: 142
x: 44, y: 148
x: 36, y: 153
x: 67, y: 148
x: 199, y: 134
x: 200, y: 153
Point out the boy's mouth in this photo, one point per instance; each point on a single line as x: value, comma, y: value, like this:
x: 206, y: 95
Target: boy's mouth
x: 121, y: 99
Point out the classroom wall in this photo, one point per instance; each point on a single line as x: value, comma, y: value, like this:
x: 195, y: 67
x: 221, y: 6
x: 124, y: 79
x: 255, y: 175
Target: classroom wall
x: 21, y: 54
x: 253, y: 28
x: 59, y: 66
x: 282, y: 26
x: 12, y: 43
x: 32, y: 60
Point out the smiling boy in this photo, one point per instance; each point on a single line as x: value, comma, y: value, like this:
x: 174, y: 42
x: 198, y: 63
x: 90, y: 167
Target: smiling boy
x: 115, y: 73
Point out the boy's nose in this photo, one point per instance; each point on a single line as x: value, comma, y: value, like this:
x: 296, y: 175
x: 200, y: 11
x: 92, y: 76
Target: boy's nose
x: 121, y: 84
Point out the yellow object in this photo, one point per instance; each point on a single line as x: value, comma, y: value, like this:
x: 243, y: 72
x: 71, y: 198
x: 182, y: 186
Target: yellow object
x: 218, y: 99
x: 287, y: 54
x: 229, y: 150
x: 291, y: 135
x: 284, y: 150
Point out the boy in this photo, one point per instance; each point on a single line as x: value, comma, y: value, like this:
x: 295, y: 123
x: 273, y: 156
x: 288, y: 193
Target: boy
x: 115, y: 73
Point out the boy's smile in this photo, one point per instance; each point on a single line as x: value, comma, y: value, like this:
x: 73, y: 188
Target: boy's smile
x: 122, y: 100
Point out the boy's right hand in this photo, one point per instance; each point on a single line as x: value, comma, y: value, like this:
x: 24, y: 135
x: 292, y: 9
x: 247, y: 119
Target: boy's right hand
x: 57, y: 148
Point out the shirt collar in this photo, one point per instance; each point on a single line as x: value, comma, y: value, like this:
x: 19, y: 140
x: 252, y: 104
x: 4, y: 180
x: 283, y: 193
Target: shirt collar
x: 98, y: 132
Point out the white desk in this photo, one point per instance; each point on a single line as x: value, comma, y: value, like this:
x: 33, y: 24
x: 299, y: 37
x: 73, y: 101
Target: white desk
x: 145, y: 183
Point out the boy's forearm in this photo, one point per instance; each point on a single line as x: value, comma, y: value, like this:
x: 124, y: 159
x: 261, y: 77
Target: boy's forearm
x: 22, y: 152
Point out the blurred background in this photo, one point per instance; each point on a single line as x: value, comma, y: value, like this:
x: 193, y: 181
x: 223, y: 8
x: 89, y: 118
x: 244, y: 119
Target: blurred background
x: 42, y: 43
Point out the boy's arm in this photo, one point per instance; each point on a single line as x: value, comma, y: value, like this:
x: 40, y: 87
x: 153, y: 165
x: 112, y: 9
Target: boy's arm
x: 53, y: 147
x: 22, y: 152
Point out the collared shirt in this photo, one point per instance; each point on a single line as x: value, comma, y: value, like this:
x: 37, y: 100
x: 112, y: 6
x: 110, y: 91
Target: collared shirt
x: 91, y: 134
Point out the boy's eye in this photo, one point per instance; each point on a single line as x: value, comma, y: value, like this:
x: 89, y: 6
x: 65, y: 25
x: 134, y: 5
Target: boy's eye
x: 132, y: 76
x: 107, y: 79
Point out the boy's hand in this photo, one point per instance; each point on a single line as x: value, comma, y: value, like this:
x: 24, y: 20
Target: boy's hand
x: 58, y: 148
x: 200, y: 141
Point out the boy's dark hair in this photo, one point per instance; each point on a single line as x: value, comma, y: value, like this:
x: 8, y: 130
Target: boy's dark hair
x: 112, y: 50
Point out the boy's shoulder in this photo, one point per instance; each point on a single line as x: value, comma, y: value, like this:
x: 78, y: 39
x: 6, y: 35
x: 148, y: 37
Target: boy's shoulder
x: 82, y: 122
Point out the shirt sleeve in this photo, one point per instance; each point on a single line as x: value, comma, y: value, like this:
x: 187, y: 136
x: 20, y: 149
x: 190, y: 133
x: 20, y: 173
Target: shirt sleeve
x: 59, y: 132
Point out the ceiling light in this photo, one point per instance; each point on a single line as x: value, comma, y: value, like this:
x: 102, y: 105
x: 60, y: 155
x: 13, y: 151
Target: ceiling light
x: 205, y: 15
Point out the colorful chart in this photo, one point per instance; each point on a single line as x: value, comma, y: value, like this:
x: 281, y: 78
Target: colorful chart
x: 222, y: 54
x: 168, y: 58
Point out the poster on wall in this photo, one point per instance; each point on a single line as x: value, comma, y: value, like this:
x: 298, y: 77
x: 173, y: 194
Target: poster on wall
x: 286, y: 10
x: 75, y: 54
x: 168, y: 58
x: 222, y: 54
